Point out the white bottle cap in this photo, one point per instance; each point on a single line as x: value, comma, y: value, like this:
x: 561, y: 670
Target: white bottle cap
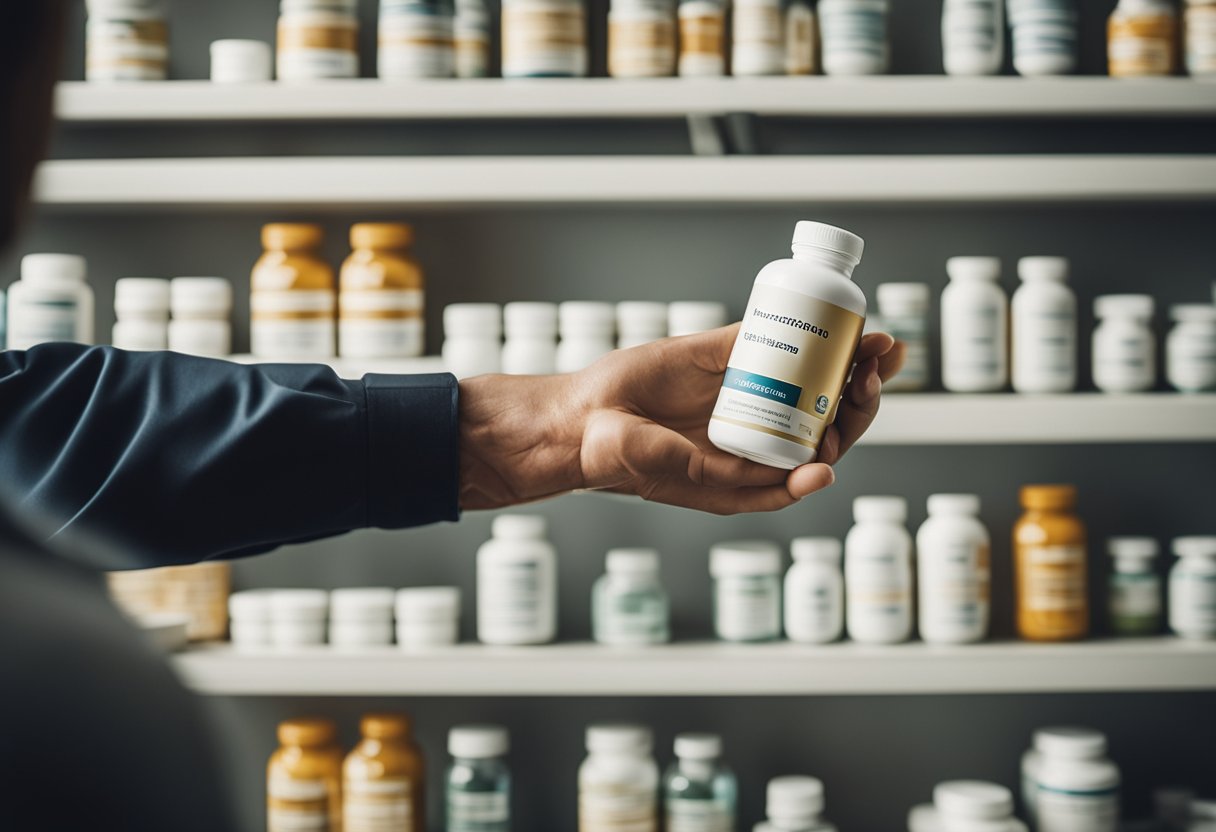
x: 250, y: 605
x: 299, y: 604
x: 472, y: 320
x: 141, y: 296
x: 241, y: 61
x: 641, y: 317
x: 519, y: 527
x: 741, y: 558
x: 530, y: 320
x: 954, y: 504
x: 632, y: 561
x: 1194, y: 313
x: 1132, y: 547
x: 829, y: 237
x: 53, y: 268
x: 974, y: 268
x: 1043, y: 268
x: 1070, y: 743
x: 619, y: 738
x: 199, y: 296
x: 322, y: 5
x: 1137, y: 307
x: 688, y: 317
x: 361, y: 603
x: 478, y: 742
x: 586, y: 319
x: 972, y: 800
x: 817, y: 549
x: 698, y: 746
x: 885, y: 509
x: 902, y: 298
x: 1195, y: 546
x: 793, y: 798
x: 419, y: 603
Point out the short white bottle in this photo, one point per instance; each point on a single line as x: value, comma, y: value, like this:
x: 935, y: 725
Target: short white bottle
x: 1124, y: 348
x: 587, y: 329
x: 975, y: 326
x: 904, y: 310
x: 531, y: 345
x: 974, y: 806
x: 954, y: 572
x: 854, y: 36
x: 973, y: 36
x: 757, y: 38
x: 640, y: 322
x: 51, y: 302
x: 1190, y: 348
x: 1044, y: 327
x: 814, y: 591
x: 1134, y: 599
x: 688, y: 317
x: 201, y: 309
x: 618, y: 783
x: 747, y: 590
x: 235, y: 61
x: 794, y: 804
x: 517, y: 583
x: 878, y: 572
x: 141, y: 305
x: 472, y: 339
x: 1033, y: 757
x: 361, y: 617
x: 1076, y: 786
x: 1193, y: 588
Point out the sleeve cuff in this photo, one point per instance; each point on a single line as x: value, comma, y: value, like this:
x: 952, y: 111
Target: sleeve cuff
x: 413, y: 456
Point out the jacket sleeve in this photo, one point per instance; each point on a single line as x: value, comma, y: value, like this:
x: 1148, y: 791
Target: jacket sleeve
x: 152, y: 459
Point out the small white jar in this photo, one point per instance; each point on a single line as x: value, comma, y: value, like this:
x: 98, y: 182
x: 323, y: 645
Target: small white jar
x: 747, y: 590
x: 640, y: 322
x: 249, y: 618
x: 757, y: 38
x: 854, y: 36
x: 973, y: 36
x: 1044, y: 328
x: 472, y: 339
x: 517, y: 583
x: 416, y: 39
x: 1190, y: 348
x: 317, y: 39
x: 1193, y: 588
x: 428, y: 617
x: 975, y: 326
x: 814, y: 591
x: 298, y: 616
x: 1032, y: 758
x: 1124, y: 348
x: 472, y: 31
x: 531, y: 345
x: 904, y: 310
x: 51, y: 302
x: 587, y: 329
x: 794, y: 804
x: 141, y: 305
x: 878, y: 572
x: 688, y: 317
x: 702, y: 38
x: 974, y: 806
x: 1076, y: 786
x: 235, y: 61
x: 1134, y: 602
x: 201, y: 307
x: 361, y: 617
x: 618, y: 783
x: 954, y: 572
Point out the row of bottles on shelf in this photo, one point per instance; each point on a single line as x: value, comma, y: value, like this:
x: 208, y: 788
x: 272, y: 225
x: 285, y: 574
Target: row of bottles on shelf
x: 127, y: 40
x: 874, y: 598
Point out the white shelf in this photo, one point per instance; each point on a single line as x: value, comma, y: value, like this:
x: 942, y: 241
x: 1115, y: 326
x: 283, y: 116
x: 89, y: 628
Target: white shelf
x: 706, y: 669
x: 887, y: 97
x: 422, y: 182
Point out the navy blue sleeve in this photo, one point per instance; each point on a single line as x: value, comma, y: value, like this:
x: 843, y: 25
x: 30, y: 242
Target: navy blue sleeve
x: 151, y: 459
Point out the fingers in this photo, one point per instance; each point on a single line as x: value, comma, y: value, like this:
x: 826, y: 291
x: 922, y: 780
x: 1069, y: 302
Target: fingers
x: 892, y: 361
x: 709, y: 351
x: 856, y: 412
x: 873, y: 344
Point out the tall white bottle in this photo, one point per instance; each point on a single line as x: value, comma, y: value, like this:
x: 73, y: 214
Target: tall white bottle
x: 1044, y: 327
x: 975, y: 327
x: 878, y: 572
x: 952, y: 560
x: 517, y: 583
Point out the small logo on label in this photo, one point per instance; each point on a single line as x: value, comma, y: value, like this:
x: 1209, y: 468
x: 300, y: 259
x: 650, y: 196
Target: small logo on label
x: 821, y: 405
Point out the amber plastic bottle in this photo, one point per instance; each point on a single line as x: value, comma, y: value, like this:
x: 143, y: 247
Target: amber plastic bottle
x: 294, y: 298
x: 383, y: 778
x: 1049, y: 546
x: 381, y: 301
x: 304, y: 778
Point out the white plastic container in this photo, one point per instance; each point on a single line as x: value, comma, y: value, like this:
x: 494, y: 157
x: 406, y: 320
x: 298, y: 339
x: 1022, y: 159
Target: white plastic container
x: 969, y: 806
x: 878, y: 572
x: 641, y: 38
x: 688, y: 317
x: 427, y: 617
x: 904, y: 310
x: 1124, y: 348
x: 1076, y: 788
x: 249, y: 619
x: 629, y: 605
x: 201, y: 307
x: 854, y: 36
x: 1134, y: 603
x: 1190, y: 348
x: 51, y: 302
x: 472, y: 339
x: 531, y: 345
x: 141, y: 305
x: 640, y: 322
x: 800, y: 41
x: 794, y: 351
x: 973, y: 36
x: 794, y: 804
x: 587, y: 334
x: 1045, y: 36
x: 814, y: 591
x: 747, y: 590
x: 544, y: 39
x: 618, y: 783
x: 298, y: 616
x: 975, y: 326
x: 954, y: 571
x: 361, y: 617
x: 317, y: 39
x: 1044, y: 328
x: 416, y: 39
x: 1193, y: 588
x: 472, y: 31
x: 126, y: 40
x: 235, y: 61
x: 517, y: 583
x: 757, y: 38
x: 702, y: 38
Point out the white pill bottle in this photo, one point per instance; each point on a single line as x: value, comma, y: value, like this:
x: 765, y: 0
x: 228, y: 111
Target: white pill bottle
x: 794, y: 351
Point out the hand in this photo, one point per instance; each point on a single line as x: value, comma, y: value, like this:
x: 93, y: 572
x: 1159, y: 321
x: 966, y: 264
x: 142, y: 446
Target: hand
x: 635, y: 422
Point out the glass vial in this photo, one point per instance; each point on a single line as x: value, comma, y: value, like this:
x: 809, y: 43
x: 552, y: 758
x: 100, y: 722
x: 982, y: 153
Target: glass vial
x: 975, y: 326
x: 953, y: 553
x: 1051, y: 577
x: 699, y: 792
x: 1124, y: 347
x: 628, y: 604
x: 478, y: 783
x: 383, y: 778
x: 1134, y: 600
x: 814, y: 591
x: 544, y: 39
x: 517, y: 583
x: 747, y: 590
x: 1044, y: 328
x: 904, y: 310
x: 618, y: 782
x: 294, y: 297
x: 381, y: 305
x: 878, y: 572
x: 304, y: 778
x: 416, y: 39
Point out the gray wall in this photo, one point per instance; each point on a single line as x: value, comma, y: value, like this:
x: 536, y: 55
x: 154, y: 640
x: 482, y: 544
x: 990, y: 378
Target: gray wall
x: 878, y: 755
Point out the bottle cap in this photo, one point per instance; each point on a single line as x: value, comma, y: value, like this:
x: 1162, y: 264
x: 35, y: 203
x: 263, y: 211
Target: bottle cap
x: 478, y: 742
x: 384, y: 726
x: 973, y: 800
x: 954, y: 504
x: 974, y: 268
x: 519, y: 527
x: 742, y: 558
x: 609, y: 738
x: 1049, y: 497
x: 390, y: 235
x: 1132, y: 547
x: 141, y: 296
x: 1043, y: 268
x: 1070, y: 743
x: 643, y: 317
x: 1195, y: 546
x: 476, y: 320
x: 883, y: 509
x: 318, y: 5
x: 793, y: 798
x: 902, y: 298
x: 428, y: 603
x: 584, y: 318
x: 1194, y: 313
x: 200, y: 296
x: 816, y: 549
x: 688, y: 317
x: 52, y: 268
x: 291, y: 235
x: 1137, y: 307
x: 361, y: 603
x: 241, y: 61
x: 299, y: 604
x: 308, y: 732
x: 250, y: 605
x: 698, y: 746
x: 530, y: 320
x: 830, y: 238
x: 632, y: 561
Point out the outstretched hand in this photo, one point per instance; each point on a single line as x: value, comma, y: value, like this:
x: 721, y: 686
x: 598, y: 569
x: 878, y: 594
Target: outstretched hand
x: 636, y: 422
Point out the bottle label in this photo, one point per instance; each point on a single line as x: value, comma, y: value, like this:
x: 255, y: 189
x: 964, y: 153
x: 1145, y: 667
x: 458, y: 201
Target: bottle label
x: 814, y: 614
x: 616, y: 807
x: 1193, y: 601
x: 748, y: 608
x: 973, y: 346
x: 43, y: 319
x: 1061, y: 810
x: 381, y: 324
x: 954, y: 587
x: 510, y: 599
x: 632, y: 618
x: 877, y: 588
x: 641, y: 44
x: 788, y: 366
x: 415, y: 44
x: 292, y: 324
x: 293, y: 805
x: 1045, y: 349
x: 912, y: 330
x: 701, y: 35
x: 377, y: 805
x: 1055, y: 579
x: 478, y: 811
x: 685, y: 815
x: 1134, y: 596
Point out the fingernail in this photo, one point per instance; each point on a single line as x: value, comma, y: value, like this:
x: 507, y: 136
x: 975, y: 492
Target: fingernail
x: 831, y: 476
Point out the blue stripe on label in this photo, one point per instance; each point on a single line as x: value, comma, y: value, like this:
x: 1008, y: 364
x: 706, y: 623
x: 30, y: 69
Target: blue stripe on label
x: 762, y: 386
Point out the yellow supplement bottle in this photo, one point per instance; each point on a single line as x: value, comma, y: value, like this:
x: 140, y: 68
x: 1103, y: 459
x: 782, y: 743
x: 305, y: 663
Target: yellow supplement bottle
x: 381, y: 301
x: 1142, y: 39
x: 294, y: 300
x: 1049, y: 547
x: 383, y: 778
x: 304, y: 778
